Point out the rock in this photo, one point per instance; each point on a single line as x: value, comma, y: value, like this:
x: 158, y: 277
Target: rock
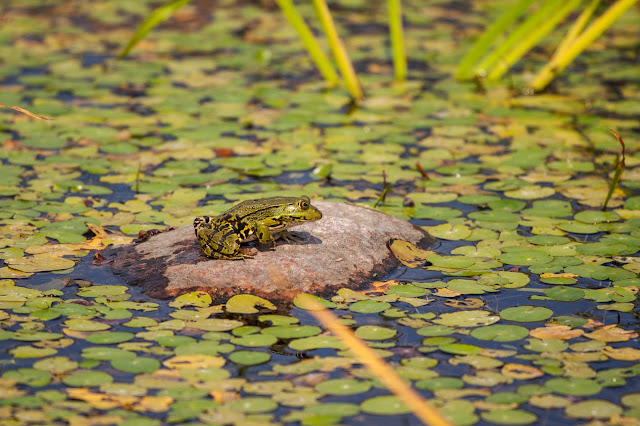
x: 347, y: 247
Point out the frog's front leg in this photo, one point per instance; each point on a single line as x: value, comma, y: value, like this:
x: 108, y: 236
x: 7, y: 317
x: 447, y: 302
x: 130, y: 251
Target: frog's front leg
x: 220, y: 243
x: 263, y: 234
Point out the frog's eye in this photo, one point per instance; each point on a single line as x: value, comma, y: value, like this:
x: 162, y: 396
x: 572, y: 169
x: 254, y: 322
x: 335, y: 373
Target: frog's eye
x: 304, y: 205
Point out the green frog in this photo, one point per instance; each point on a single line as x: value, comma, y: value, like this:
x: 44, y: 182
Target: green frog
x: 266, y: 220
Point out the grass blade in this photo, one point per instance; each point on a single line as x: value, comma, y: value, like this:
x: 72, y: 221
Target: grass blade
x: 397, y: 40
x: 584, y: 40
x: 158, y: 16
x: 617, y: 175
x: 576, y: 28
x: 482, y: 45
x: 321, y: 60
x: 338, y: 50
x: 516, y: 36
x: 532, y: 38
x: 387, y: 375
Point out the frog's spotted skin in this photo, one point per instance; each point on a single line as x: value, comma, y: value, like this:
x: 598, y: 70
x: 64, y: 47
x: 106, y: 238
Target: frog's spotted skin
x: 266, y: 220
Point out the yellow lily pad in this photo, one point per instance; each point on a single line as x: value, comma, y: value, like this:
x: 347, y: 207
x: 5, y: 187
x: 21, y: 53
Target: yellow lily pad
x: 39, y: 263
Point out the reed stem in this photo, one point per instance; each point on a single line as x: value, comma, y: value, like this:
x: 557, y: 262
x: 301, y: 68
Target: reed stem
x: 339, y: 52
x: 531, y: 38
x: 495, y: 30
x: 516, y: 36
x: 584, y: 40
x: 306, y: 36
x: 397, y: 40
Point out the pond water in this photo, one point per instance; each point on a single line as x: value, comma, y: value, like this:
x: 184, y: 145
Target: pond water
x: 526, y: 311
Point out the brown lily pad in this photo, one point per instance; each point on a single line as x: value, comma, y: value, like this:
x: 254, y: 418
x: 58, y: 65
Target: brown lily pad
x: 348, y: 246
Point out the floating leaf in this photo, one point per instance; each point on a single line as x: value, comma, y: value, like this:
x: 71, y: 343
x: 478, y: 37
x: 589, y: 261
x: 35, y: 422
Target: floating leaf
x: 409, y: 254
x: 374, y: 332
x: 253, y: 405
x: 301, y: 301
x: 292, y: 331
x: 384, y: 405
x: 249, y: 357
x: 593, y: 409
x: 500, y: 332
x: 526, y: 313
x: 29, y: 376
x: 194, y: 298
x: 136, y: 365
x: 39, y: 264
x: 369, y: 306
x: 509, y: 417
x: 343, y: 387
x: 194, y: 362
x: 246, y: 304
x: 573, y: 386
x: 521, y: 371
x: 87, y: 378
x: 611, y: 333
x: 472, y: 318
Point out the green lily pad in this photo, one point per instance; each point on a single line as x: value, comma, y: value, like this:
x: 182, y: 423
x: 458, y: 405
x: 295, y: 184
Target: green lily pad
x: 255, y: 340
x: 249, y: 357
x: 407, y: 290
x: 564, y: 294
x: 438, y: 383
x: 87, y: 378
x: 301, y: 301
x: 525, y: 258
x: 110, y: 337
x: 594, y: 217
x: 526, y: 313
x: 573, y: 386
x: 343, y: 387
x: 593, y: 409
x: 39, y: 264
x: 136, y: 365
x: 509, y: 417
x: 253, y: 405
x: 471, y: 318
x: 436, y: 330
x: 500, y: 332
x: 384, y: 405
x: 56, y: 365
x: 29, y: 376
x: 369, y: 306
x: 292, y: 331
x: 374, y: 332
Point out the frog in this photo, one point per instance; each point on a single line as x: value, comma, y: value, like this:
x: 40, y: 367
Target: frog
x: 265, y: 220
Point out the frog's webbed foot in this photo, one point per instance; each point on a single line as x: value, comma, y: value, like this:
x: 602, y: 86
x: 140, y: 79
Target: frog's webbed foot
x: 289, y: 237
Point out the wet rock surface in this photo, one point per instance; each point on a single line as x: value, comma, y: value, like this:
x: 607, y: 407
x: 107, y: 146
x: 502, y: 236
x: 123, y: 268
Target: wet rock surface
x: 347, y: 247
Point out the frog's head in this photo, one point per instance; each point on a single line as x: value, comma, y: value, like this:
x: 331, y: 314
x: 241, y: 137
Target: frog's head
x: 301, y: 210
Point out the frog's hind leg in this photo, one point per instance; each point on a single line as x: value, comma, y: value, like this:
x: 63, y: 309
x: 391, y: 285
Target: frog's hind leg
x: 220, y: 243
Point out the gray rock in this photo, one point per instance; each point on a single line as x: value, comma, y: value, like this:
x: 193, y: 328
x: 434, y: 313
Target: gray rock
x: 347, y: 247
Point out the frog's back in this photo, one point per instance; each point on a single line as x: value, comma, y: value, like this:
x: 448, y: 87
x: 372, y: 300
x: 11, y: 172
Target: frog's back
x: 257, y: 209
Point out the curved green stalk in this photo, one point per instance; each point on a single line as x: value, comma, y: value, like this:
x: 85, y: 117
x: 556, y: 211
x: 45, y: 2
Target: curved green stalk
x: 397, y: 40
x: 576, y: 28
x: 338, y: 50
x: 482, y: 45
x: 158, y: 16
x: 516, y: 36
x: 532, y: 38
x: 599, y: 25
x: 321, y: 60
